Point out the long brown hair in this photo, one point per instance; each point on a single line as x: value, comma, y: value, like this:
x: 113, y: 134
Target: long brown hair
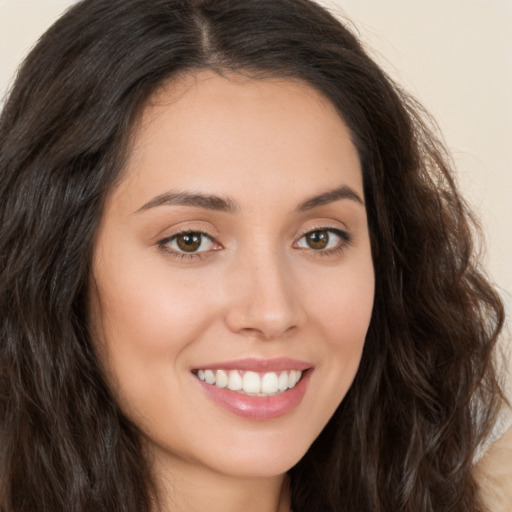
x: 425, y: 394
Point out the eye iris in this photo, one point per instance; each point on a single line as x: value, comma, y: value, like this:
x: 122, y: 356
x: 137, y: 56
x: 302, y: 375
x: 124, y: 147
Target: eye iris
x: 317, y: 239
x: 189, y: 242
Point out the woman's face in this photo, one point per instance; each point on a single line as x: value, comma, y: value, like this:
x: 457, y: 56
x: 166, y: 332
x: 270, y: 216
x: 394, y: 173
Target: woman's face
x: 234, y: 254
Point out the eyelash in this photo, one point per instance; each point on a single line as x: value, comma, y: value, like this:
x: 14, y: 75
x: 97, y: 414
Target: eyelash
x: 164, y: 245
x: 342, y: 245
x: 344, y: 236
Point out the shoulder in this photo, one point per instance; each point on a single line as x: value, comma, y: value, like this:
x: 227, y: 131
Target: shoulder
x: 493, y: 473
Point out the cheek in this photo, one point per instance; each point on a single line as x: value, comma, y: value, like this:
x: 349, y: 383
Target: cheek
x: 341, y: 303
x: 144, y: 321
x: 340, y: 307
x: 142, y: 301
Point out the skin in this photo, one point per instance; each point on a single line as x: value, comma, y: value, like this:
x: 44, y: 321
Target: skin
x: 257, y: 290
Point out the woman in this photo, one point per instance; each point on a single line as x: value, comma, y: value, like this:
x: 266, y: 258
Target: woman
x: 236, y: 273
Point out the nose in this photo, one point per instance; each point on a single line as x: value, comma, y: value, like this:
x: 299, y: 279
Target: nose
x: 263, y: 298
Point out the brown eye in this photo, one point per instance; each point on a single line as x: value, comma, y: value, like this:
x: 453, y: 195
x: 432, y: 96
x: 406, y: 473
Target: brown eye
x: 324, y: 240
x: 189, y: 242
x: 317, y: 239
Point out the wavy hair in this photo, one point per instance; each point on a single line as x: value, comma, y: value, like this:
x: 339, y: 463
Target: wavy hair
x: 426, y: 393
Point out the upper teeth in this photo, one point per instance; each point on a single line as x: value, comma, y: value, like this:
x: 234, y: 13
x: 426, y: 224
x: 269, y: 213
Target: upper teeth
x: 252, y: 383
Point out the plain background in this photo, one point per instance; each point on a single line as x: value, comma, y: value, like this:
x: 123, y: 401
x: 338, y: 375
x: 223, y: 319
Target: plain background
x: 455, y: 56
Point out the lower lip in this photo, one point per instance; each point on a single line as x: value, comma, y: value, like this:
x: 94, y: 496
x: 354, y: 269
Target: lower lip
x: 258, y: 407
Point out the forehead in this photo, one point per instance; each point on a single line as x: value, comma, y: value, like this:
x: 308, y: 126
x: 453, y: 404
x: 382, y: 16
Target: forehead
x: 209, y: 131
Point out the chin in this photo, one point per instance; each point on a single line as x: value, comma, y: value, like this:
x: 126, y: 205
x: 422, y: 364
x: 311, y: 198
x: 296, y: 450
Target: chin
x: 259, y: 456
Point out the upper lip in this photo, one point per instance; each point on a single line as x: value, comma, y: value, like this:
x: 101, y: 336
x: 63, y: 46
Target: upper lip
x: 258, y: 365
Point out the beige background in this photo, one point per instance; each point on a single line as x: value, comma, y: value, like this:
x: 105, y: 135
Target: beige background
x: 453, y: 55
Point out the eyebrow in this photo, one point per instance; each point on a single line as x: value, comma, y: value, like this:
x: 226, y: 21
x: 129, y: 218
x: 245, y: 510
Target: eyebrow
x: 224, y: 204
x: 330, y: 196
x: 209, y: 202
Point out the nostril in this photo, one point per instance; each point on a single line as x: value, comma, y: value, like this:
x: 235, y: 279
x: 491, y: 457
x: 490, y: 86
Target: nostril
x: 251, y: 331
x: 267, y: 334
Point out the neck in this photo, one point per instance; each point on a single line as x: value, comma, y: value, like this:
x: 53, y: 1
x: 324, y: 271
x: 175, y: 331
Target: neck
x: 187, y: 487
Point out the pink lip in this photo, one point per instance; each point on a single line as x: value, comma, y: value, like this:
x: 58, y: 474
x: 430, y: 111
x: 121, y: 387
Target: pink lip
x: 258, y: 365
x: 258, y: 408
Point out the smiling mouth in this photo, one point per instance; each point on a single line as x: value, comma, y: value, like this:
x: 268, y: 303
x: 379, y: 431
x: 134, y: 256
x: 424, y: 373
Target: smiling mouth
x: 251, y: 383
